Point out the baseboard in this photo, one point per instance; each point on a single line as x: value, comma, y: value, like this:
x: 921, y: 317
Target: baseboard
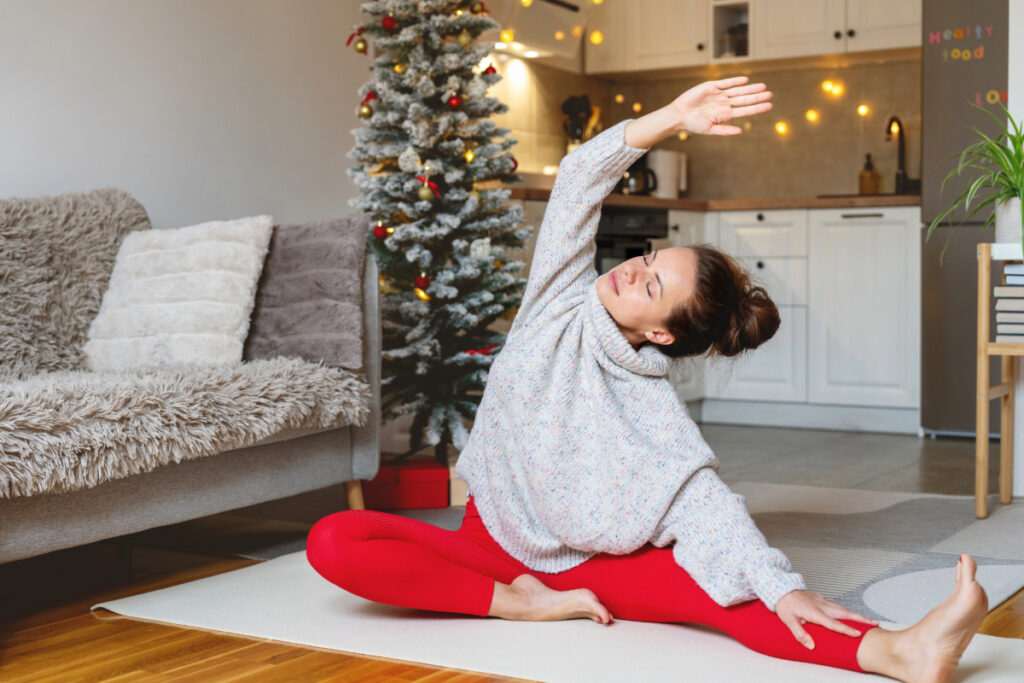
x: 809, y: 416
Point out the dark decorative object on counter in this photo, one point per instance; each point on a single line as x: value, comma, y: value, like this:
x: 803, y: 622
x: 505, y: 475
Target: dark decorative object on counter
x: 577, y: 112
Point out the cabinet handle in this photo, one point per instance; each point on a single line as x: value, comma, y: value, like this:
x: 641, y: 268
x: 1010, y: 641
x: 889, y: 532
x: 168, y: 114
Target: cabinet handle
x: 861, y: 215
x: 675, y: 228
x: 700, y: 46
x: 760, y: 216
x: 838, y: 35
x: 760, y: 264
x: 850, y: 33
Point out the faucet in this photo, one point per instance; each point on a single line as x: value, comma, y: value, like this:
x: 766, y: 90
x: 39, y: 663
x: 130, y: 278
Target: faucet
x: 901, y: 169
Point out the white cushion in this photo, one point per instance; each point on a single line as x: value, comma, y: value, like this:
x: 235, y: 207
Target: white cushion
x: 180, y: 296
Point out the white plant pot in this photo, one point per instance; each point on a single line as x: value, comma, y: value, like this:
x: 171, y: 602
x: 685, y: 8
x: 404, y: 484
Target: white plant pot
x: 1008, y: 227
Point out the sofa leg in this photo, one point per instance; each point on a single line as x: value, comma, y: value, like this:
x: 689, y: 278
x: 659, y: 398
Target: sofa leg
x: 354, y: 493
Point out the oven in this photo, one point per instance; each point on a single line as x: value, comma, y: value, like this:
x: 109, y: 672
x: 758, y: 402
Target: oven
x: 624, y: 232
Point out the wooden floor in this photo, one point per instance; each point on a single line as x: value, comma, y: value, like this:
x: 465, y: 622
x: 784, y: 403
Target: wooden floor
x: 47, y: 632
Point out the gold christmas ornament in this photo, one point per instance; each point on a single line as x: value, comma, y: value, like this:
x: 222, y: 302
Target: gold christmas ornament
x: 465, y: 38
x: 365, y: 111
x: 360, y: 45
x: 498, y: 263
x: 469, y: 155
x: 399, y: 68
x: 425, y: 192
x: 476, y: 7
x: 421, y: 294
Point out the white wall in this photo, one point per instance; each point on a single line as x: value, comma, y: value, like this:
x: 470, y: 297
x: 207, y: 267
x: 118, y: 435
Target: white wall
x: 201, y: 109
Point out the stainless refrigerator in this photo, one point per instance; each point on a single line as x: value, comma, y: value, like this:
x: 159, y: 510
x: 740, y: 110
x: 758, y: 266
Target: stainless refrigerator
x: 949, y: 292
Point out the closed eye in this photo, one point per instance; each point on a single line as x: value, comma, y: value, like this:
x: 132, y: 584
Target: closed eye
x: 648, y: 284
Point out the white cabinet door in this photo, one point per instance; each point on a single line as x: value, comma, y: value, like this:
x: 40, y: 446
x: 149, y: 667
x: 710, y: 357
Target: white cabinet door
x: 666, y: 33
x: 610, y: 53
x: 864, y: 306
x: 882, y: 24
x: 792, y: 28
x: 774, y: 371
x: 763, y: 233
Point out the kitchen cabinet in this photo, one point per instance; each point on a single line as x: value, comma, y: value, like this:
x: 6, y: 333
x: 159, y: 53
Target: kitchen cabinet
x: 775, y: 371
x: 794, y: 28
x: 646, y: 34
x: 864, y: 306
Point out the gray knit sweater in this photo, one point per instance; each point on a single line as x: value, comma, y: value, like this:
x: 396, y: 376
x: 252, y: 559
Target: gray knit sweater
x: 580, y: 444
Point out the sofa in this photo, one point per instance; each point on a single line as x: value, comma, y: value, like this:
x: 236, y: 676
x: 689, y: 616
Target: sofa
x: 87, y: 456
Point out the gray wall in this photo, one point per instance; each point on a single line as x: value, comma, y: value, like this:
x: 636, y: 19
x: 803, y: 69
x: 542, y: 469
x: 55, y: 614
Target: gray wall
x: 201, y: 109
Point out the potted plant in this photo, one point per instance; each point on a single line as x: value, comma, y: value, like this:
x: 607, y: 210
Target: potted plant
x: 999, y: 166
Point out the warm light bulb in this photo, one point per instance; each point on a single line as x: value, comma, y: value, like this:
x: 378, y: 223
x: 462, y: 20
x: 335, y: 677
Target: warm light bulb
x: 559, y: 35
x: 682, y: 136
x: 862, y: 110
x: 597, y: 2
x: 837, y: 89
x: 894, y: 128
x: 458, y: 12
x: 469, y: 155
x: 620, y: 98
x: 812, y: 115
x: 596, y: 37
x: 390, y: 230
x: 526, y: 3
x: 826, y: 86
x: 508, y: 35
x: 781, y: 127
x: 637, y: 106
x: 577, y: 31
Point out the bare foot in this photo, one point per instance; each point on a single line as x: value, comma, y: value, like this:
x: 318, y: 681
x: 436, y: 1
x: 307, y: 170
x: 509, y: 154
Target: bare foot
x: 531, y: 600
x: 931, y: 648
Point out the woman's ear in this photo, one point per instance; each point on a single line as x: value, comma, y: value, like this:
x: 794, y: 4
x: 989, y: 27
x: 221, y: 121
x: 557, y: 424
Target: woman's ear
x: 660, y: 336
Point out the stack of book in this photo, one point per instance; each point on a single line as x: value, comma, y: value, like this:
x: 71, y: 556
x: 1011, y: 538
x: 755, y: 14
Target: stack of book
x: 1010, y: 305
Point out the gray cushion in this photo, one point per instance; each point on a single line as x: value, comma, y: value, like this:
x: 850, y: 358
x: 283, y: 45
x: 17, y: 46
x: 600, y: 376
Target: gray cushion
x: 309, y: 298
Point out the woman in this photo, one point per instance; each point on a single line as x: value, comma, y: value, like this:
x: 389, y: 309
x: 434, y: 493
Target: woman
x: 591, y: 491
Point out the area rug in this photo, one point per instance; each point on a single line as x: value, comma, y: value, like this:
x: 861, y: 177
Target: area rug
x: 888, y: 555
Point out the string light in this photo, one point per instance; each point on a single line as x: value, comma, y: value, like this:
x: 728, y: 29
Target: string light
x: 559, y: 35
x: 637, y: 106
x: 863, y: 110
x: 620, y: 98
x: 812, y: 115
x: 596, y: 37
x: 781, y: 127
x: 507, y: 36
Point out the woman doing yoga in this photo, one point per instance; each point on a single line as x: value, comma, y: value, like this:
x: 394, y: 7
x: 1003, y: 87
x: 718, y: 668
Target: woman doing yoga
x: 592, y: 492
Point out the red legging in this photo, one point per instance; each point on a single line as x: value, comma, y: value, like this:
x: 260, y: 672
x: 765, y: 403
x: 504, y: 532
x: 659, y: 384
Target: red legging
x: 402, y: 561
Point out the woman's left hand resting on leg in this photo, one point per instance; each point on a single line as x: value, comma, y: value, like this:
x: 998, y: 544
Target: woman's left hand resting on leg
x: 796, y: 608
x: 702, y: 110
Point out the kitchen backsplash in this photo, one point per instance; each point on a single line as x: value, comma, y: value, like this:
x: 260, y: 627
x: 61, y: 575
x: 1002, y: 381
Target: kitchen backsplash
x: 812, y: 157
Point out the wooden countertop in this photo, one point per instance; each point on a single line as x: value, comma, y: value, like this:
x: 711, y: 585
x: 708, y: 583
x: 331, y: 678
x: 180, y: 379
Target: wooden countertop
x: 744, y: 204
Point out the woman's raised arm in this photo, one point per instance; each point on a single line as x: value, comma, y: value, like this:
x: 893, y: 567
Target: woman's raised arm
x: 702, y: 109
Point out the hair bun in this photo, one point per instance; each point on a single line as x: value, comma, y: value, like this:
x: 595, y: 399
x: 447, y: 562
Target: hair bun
x: 754, y: 322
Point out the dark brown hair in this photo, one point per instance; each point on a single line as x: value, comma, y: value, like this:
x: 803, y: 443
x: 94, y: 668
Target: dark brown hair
x: 726, y: 313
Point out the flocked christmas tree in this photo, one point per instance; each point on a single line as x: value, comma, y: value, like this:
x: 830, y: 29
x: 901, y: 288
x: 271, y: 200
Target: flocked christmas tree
x: 438, y: 232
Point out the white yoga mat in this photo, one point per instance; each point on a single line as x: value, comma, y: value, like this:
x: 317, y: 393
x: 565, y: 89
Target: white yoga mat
x: 296, y: 605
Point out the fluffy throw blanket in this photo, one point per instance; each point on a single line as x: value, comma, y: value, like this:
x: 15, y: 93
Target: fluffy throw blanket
x: 70, y: 430
x: 56, y: 256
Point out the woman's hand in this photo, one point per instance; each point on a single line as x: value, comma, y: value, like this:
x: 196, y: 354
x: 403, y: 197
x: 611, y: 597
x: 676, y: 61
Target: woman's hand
x: 798, y: 607
x: 705, y: 107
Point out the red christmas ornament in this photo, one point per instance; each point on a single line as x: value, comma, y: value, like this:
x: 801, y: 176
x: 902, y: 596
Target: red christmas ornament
x: 454, y: 102
x: 389, y: 23
x: 485, y: 351
x: 490, y: 69
x: 515, y: 165
x: 380, y: 232
x: 422, y: 282
x: 370, y: 95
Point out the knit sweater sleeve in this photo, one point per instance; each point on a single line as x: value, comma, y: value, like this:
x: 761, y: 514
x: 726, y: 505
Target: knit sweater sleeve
x: 719, y: 546
x: 564, y: 250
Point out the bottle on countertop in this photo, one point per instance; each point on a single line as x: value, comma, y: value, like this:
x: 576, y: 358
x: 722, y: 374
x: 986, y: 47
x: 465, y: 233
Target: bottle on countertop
x: 870, y: 181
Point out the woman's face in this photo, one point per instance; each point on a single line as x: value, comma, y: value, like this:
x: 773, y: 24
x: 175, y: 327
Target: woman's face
x: 640, y: 292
